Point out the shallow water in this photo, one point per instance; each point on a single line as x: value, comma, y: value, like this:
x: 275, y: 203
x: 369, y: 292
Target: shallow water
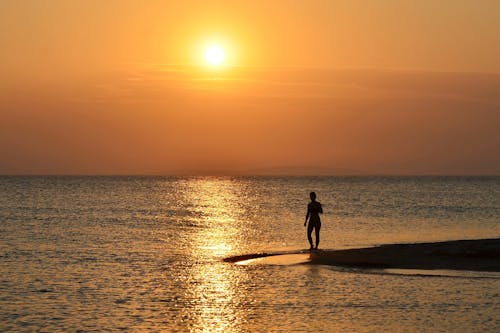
x: 145, y: 253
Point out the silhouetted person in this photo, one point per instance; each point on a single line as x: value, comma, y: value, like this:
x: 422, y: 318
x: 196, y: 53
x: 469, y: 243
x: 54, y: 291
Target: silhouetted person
x: 313, y: 210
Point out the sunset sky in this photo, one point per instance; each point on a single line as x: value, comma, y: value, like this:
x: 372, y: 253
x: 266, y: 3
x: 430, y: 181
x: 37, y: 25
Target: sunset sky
x: 305, y: 87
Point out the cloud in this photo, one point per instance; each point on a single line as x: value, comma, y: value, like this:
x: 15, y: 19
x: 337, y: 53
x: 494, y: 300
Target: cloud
x: 162, y: 120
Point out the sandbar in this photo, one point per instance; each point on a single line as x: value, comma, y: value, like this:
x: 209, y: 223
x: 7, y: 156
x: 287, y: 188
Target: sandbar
x: 467, y: 255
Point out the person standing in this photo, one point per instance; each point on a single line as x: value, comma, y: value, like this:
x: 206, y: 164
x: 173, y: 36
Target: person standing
x: 313, y: 210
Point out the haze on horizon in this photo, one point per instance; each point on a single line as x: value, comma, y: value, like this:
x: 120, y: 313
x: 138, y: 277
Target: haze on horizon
x: 319, y: 87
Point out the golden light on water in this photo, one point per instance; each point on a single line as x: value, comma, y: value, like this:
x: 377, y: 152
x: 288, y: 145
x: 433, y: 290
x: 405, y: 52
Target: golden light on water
x: 216, y: 285
x: 215, y: 200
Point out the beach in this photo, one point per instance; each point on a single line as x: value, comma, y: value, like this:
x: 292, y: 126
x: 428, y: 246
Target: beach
x: 471, y: 255
x: 468, y: 255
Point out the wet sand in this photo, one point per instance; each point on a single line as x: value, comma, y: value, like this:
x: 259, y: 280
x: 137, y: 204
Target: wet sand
x: 470, y: 255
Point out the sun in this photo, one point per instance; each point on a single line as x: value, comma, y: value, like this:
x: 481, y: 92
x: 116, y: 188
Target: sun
x: 214, y: 55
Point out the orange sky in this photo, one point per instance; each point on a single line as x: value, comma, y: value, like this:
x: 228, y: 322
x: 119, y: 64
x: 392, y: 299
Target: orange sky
x: 317, y: 87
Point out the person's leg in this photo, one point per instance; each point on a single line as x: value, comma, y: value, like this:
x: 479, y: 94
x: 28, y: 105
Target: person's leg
x: 310, y: 227
x: 318, y: 226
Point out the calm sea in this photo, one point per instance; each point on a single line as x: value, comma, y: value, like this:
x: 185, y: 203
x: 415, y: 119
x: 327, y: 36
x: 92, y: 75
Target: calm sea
x: 145, y: 254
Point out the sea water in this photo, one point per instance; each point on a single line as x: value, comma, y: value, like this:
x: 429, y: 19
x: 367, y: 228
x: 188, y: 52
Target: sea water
x: 146, y: 254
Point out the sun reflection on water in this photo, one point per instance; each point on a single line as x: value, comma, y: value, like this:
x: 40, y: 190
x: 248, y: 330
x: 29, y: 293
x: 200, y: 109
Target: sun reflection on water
x: 215, y: 286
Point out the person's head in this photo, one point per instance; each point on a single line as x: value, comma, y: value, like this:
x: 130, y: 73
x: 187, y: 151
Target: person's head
x: 313, y: 196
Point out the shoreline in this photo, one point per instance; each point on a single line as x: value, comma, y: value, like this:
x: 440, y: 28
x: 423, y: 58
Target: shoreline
x: 465, y: 255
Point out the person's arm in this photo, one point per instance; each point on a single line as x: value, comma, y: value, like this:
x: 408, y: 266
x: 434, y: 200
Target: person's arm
x: 320, y: 209
x: 307, y: 215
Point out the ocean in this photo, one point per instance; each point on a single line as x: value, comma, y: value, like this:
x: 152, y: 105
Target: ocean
x: 92, y: 254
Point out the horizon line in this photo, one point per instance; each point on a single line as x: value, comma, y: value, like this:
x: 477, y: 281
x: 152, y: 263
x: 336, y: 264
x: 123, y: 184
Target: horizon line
x: 179, y: 175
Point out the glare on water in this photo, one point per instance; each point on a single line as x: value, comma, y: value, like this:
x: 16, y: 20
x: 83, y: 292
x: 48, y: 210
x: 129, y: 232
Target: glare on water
x: 215, y: 285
